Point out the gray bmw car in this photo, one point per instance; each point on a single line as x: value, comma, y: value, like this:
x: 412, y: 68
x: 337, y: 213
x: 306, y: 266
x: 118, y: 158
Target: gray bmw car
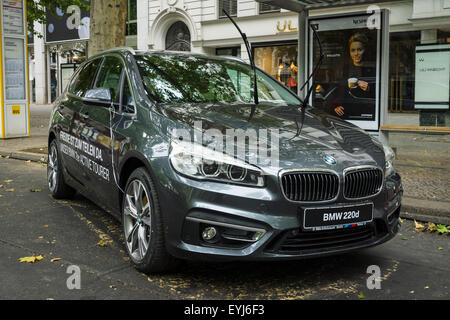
x: 173, y: 145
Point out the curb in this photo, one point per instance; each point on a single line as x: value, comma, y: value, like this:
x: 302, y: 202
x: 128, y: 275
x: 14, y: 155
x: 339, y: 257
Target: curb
x: 27, y: 156
x: 426, y: 210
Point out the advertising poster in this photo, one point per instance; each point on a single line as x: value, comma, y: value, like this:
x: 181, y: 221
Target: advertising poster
x: 14, y: 69
x: 13, y: 17
x: 348, y: 83
x: 68, y: 26
x: 432, y: 77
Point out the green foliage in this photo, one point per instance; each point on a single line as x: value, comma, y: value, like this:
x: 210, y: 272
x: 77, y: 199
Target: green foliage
x: 37, y: 11
x: 442, y: 229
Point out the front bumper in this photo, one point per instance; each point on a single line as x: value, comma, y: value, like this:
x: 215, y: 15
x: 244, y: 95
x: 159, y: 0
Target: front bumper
x: 259, y: 223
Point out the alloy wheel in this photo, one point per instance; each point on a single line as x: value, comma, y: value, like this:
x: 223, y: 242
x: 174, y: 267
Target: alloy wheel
x: 52, y: 168
x: 137, y: 220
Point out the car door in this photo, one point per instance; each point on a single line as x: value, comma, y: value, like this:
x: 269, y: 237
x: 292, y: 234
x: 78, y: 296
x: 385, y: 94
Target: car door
x: 69, y: 110
x: 102, y: 130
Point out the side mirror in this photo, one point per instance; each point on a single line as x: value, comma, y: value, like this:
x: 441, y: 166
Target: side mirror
x: 98, y: 96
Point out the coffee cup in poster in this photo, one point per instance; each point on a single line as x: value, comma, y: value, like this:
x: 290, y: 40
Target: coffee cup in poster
x: 352, y: 83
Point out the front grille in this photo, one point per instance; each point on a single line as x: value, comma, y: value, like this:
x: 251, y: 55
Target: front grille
x: 310, y: 186
x: 292, y: 242
x: 362, y: 183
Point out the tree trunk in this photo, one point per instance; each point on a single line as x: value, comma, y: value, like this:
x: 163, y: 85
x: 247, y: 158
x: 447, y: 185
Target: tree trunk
x: 107, y: 25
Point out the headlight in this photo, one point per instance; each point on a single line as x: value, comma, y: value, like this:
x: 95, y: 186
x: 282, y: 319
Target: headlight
x: 390, y: 156
x: 199, y: 162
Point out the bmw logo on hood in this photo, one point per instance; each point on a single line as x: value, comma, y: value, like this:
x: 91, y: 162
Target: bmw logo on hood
x: 330, y: 160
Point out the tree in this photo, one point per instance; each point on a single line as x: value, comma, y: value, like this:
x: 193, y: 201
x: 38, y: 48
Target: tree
x: 107, y: 23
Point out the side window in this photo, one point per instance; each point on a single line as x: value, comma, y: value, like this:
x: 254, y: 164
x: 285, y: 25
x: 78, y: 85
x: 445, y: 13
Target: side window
x: 109, y: 76
x: 127, y: 97
x: 84, y: 80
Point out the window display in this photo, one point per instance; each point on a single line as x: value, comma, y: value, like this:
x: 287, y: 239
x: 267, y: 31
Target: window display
x: 280, y: 61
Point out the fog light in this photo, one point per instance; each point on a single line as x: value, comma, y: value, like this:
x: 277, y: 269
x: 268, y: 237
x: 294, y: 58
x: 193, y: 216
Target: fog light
x: 258, y: 235
x: 209, y: 233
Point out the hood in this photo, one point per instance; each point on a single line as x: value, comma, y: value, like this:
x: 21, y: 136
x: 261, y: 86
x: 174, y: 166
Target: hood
x: 278, y: 127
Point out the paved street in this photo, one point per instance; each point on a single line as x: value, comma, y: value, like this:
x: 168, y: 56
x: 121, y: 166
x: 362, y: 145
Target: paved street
x: 414, y: 265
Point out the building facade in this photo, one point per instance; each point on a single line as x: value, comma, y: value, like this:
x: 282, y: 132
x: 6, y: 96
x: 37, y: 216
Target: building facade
x: 200, y: 26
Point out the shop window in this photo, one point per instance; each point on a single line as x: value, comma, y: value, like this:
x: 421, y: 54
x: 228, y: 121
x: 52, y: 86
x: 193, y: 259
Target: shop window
x: 234, y: 52
x: 402, y: 64
x: 265, y: 8
x: 230, y: 6
x: 280, y: 61
x: 131, y: 29
x: 178, y: 37
x: 443, y: 36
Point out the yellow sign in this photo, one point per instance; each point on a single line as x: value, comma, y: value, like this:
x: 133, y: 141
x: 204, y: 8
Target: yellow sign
x: 15, y: 110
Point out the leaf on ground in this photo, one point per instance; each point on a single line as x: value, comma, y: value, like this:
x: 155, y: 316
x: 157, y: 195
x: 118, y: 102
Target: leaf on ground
x: 55, y: 259
x: 431, y: 227
x: 442, y: 229
x: 1, y: 186
x: 440, y: 248
x: 361, y: 296
x: 35, y: 190
x: 101, y: 243
x: 10, y: 190
x: 419, y: 226
x: 45, y: 226
x: 404, y: 238
x: 1, y: 196
x: 8, y: 181
x: 401, y: 220
x: 31, y: 259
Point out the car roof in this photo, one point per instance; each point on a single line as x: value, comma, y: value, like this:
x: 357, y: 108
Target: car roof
x: 167, y: 53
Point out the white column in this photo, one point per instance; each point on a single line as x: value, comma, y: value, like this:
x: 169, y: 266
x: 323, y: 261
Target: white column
x: 40, y: 63
x: 244, y: 53
x: 143, y: 28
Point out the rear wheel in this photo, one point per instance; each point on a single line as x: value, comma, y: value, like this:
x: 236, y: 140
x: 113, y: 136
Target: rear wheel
x: 143, y: 225
x: 55, y: 178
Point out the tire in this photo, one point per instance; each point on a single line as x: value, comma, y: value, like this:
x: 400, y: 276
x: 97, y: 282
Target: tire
x: 143, y: 226
x: 55, y: 177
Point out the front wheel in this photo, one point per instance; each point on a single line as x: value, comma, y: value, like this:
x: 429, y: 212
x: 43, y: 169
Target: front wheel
x: 143, y: 225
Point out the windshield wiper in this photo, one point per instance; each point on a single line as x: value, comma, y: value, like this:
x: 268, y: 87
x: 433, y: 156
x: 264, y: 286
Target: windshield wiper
x: 319, y: 63
x: 252, y: 62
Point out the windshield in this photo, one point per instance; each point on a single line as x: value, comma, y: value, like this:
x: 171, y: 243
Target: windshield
x: 180, y: 78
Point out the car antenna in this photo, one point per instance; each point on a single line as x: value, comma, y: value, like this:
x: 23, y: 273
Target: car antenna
x: 252, y: 62
x: 305, y: 101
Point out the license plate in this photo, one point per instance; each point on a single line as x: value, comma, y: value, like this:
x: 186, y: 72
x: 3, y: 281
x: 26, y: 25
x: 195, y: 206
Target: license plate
x: 338, y: 217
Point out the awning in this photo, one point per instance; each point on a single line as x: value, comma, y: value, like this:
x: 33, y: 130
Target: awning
x: 299, y: 5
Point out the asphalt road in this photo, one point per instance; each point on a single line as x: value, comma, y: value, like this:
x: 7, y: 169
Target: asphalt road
x: 414, y: 265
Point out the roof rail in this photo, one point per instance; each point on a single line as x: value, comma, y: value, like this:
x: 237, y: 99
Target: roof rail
x: 129, y: 49
x: 234, y: 58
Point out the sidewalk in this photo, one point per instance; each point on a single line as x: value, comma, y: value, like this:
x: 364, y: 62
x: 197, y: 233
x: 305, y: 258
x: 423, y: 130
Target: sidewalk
x: 423, y: 161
